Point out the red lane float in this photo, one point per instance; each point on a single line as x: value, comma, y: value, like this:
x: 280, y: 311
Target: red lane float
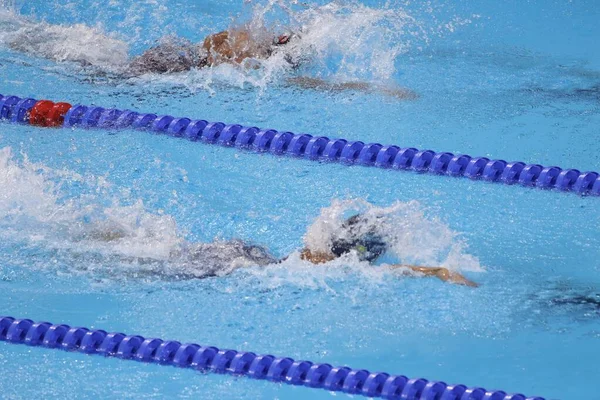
x: 49, y: 114
x: 56, y: 116
x: 39, y: 112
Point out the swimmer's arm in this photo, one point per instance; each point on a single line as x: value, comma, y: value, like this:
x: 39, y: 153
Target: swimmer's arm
x: 316, y: 257
x: 306, y: 82
x: 439, y: 272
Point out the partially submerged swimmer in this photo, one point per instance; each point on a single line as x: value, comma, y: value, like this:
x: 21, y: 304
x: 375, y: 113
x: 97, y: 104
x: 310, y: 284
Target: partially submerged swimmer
x: 226, y: 47
x: 240, y: 47
x: 357, y: 236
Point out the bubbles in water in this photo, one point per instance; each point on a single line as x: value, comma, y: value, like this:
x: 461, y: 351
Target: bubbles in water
x: 10, y: 5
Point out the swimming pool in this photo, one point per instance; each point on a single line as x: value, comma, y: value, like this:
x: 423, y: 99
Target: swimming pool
x: 513, y: 81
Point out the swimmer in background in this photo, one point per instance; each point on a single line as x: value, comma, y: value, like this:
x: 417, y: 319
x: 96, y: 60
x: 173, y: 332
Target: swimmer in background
x: 240, y: 47
x: 357, y: 235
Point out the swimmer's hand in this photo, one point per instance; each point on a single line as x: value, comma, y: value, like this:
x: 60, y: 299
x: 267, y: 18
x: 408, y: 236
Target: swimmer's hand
x: 441, y: 273
x: 454, y: 277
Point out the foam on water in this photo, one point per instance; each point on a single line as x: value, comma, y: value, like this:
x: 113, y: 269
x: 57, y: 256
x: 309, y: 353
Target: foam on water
x: 97, y: 227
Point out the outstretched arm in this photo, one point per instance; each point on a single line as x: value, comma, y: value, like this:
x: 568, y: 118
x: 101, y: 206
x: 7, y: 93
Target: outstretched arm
x: 306, y: 82
x: 439, y: 272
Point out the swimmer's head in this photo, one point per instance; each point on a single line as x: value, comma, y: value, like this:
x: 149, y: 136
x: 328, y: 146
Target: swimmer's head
x: 284, y: 44
x: 359, y: 235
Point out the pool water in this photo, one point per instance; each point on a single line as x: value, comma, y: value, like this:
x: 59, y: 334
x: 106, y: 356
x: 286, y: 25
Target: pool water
x: 510, y: 80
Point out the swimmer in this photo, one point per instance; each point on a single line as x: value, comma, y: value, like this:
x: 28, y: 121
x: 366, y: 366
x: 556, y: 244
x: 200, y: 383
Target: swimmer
x: 226, y: 47
x: 357, y: 235
x: 239, y: 47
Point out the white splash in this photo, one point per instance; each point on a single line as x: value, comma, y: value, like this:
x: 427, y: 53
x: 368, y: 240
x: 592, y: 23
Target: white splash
x: 413, y: 238
x: 10, y: 5
x: 122, y: 239
x: 34, y: 208
x: 341, y: 41
x: 352, y: 41
x: 125, y: 238
x: 28, y: 193
x: 78, y: 43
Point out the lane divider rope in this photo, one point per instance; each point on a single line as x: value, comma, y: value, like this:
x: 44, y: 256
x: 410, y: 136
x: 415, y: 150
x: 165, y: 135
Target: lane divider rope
x: 232, y: 362
x: 49, y: 114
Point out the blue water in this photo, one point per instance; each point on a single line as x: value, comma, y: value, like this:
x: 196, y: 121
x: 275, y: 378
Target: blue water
x: 518, y: 81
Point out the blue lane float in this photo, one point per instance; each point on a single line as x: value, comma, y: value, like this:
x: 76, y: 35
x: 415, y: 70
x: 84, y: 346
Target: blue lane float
x: 239, y: 363
x: 307, y: 146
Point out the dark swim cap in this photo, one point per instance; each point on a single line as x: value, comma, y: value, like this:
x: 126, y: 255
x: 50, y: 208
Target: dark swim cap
x: 369, y: 246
